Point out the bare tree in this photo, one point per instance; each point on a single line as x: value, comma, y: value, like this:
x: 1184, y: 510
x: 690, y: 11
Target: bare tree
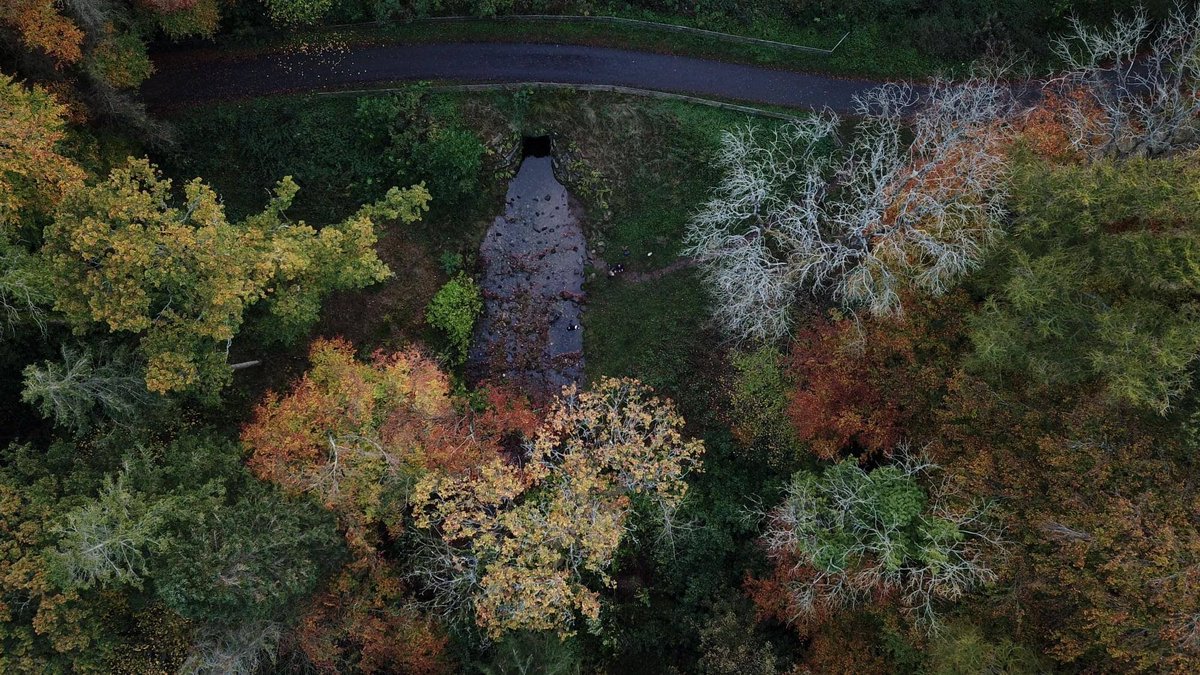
x: 1118, y: 103
x: 859, y: 224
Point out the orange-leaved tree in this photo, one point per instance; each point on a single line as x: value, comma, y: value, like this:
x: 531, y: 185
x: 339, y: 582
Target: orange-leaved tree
x: 34, y: 177
x: 862, y: 385
x: 357, y: 435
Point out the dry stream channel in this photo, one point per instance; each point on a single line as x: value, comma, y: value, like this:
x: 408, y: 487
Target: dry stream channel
x: 533, y: 258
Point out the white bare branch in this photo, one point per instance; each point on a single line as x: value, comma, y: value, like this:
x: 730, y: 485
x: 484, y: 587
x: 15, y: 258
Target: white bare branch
x: 858, y: 226
x: 1122, y: 103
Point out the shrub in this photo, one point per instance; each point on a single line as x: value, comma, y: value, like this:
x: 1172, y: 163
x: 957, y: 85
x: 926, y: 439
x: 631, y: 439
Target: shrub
x: 453, y: 311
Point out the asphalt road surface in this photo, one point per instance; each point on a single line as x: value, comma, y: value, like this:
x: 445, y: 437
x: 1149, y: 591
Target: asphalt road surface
x: 189, y: 78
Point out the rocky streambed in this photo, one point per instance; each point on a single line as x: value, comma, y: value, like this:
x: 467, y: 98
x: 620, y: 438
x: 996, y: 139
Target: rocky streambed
x: 533, y: 258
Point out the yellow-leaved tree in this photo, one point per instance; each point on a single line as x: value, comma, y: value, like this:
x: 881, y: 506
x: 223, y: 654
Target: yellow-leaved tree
x: 182, y: 277
x: 34, y: 176
x: 526, y: 542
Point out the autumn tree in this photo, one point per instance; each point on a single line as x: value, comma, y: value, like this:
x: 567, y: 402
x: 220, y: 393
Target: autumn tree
x: 366, y: 621
x: 1101, y: 502
x: 358, y: 436
x: 243, y: 648
x: 1097, y: 281
x: 848, y: 537
x: 860, y: 387
x: 862, y: 224
x: 181, y: 277
x: 520, y: 541
x: 34, y: 177
x: 40, y: 26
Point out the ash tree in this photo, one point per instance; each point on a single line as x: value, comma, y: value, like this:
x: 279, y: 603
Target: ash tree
x: 860, y: 223
x: 848, y: 537
x: 1133, y: 88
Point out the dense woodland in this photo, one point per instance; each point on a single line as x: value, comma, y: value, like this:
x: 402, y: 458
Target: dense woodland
x: 905, y: 390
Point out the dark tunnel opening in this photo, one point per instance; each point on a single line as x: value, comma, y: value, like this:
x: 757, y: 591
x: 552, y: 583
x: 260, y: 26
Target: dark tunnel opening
x: 535, y: 146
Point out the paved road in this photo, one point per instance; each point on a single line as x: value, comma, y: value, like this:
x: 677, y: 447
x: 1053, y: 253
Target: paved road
x: 187, y: 78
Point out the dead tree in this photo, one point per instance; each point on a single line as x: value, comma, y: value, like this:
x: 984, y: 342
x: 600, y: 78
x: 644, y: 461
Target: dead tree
x: 858, y: 224
x: 1119, y: 104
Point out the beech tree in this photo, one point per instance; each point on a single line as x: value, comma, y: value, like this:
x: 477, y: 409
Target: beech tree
x: 862, y: 386
x: 297, y: 11
x: 42, y: 27
x: 860, y: 224
x: 356, y: 435
x: 34, y: 177
x: 44, y: 626
x: 182, y: 277
x: 366, y: 621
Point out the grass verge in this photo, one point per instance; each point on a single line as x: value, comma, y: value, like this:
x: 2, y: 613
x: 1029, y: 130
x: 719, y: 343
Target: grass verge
x: 871, y: 51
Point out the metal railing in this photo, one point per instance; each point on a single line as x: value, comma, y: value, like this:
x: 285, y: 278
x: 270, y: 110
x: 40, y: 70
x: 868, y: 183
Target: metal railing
x: 621, y: 21
x: 653, y: 25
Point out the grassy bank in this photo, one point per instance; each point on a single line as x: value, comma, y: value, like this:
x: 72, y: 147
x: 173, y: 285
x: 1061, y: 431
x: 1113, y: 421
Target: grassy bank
x: 639, y: 167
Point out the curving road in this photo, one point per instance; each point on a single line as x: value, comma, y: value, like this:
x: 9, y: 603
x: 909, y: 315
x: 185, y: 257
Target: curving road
x: 189, y: 78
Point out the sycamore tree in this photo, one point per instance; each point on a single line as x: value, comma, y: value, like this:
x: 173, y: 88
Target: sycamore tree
x: 524, y: 544
x: 181, y: 278
x: 861, y: 223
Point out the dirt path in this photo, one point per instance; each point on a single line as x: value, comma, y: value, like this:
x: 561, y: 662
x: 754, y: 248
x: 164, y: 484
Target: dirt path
x: 184, y: 78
